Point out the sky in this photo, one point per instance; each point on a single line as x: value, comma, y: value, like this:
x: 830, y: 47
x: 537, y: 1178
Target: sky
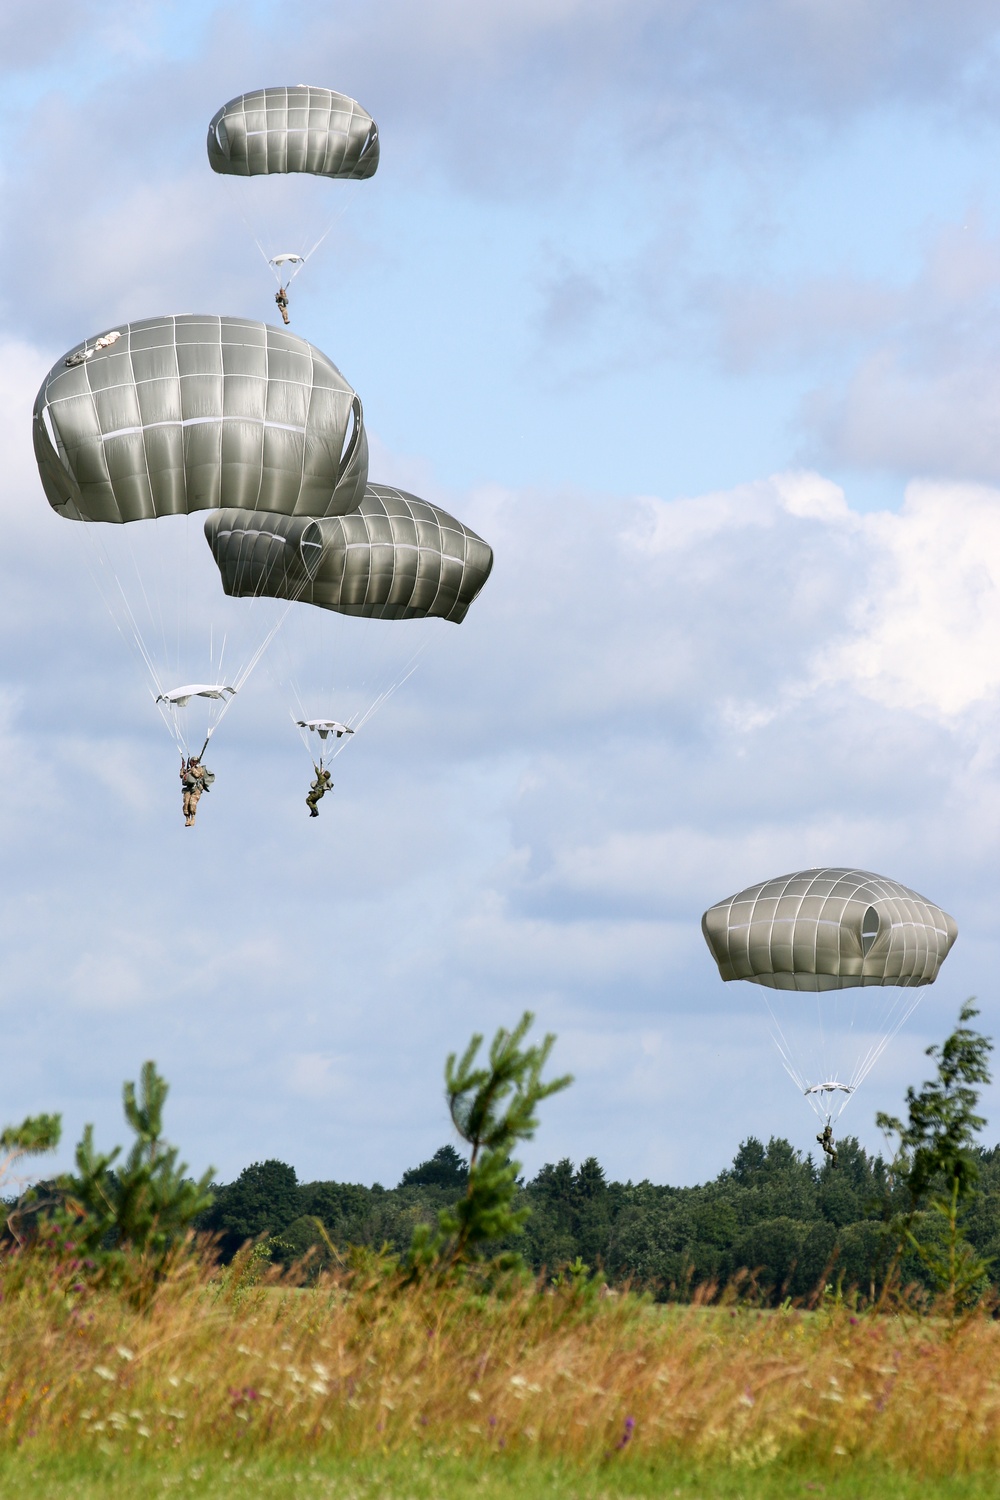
x: 693, y: 312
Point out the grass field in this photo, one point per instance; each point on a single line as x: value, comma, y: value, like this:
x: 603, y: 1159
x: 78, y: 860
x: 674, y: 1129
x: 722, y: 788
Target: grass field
x: 426, y: 1477
x: 222, y: 1389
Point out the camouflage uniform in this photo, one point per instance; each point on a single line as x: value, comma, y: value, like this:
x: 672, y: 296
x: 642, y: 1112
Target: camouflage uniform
x: 826, y: 1141
x: 318, y: 789
x: 195, y: 779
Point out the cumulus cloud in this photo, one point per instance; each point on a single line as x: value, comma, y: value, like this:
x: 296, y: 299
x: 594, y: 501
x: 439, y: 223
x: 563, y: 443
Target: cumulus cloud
x: 927, y: 627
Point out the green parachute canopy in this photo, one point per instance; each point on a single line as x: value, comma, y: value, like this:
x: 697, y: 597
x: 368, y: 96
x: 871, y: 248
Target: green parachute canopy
x: 841, y: 956
x: 829, y: 929
x: 395, y: 558
x: 185, y: 413
x: 299, y: 129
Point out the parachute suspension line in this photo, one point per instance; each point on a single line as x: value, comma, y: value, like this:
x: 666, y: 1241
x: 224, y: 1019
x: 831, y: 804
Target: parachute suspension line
x: 237, y: 189
x: 898, y: 1014
x: 355, y: 721
x: 784, y: 1050
x: 136, y: 644
x: 158, y: 625
x: 827, y: 1089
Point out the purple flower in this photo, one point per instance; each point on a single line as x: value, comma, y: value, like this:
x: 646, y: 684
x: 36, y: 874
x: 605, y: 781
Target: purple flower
x: 626, y: 1436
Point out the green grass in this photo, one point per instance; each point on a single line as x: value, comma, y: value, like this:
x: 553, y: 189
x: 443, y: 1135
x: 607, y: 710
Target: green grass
x: 90, y: 1476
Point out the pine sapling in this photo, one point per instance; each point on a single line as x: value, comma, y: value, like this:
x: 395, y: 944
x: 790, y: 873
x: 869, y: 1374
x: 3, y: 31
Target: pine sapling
x: 493, y: 1107
x: 936, y: 1163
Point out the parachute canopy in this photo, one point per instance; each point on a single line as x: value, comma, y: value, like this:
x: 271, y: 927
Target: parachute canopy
x: 829, y: 929
x: 300, y: 129
x: 325, y: 727
x: 181, y: 697
x: 395, y: 558
x: 188, y: 412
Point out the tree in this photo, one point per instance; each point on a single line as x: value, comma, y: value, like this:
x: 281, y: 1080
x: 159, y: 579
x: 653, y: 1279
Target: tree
x: 493, y: 1108
x: 147, y: 1205
x: 936, y: 1160
x: 444, y: 1169
x: 264, y: 1199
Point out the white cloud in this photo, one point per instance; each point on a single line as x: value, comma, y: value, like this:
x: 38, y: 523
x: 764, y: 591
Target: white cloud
x: 928, y: 623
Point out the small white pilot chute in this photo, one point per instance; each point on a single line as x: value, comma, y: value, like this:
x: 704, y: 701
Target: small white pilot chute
x: 324, y: 727
x: 188, y: 727
x: 330, y: 732
x: 181, y: 697
x: 287, y: 258
x: 831, y: 1087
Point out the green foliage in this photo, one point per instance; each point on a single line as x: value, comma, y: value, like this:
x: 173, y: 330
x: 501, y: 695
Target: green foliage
x: 444, y: 1169
x: 937, y: 1163
x: 145, y: 1206
x: 493, y: 1108
x: 34, y: 1136
x: 263, y: 1200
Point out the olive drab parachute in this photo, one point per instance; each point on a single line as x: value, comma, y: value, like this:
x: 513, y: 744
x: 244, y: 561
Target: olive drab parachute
x: 192, y: 412
x: 395, y: 558
x: 293, y: 142
x: 829, y: 929
x: 841, y: 955
x: 298, y: 129
x: 156, y: 421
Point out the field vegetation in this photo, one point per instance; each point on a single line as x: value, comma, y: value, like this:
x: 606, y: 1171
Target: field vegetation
x: 134, y: 1358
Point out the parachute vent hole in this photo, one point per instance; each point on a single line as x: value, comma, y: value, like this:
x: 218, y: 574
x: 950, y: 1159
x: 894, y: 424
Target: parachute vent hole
x: 49, y: 426
x: 351, y: 435
x: 869, y: 929
x: 311, y: 548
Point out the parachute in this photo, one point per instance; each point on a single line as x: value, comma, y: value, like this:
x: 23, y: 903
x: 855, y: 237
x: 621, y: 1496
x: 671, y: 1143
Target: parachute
x: 324, y: 727
x: 171, y: 416
x: 301, y: 132
x: 828, y: 933
x: 300, y: 129
x: 191, y: 412
x: 290, y: 259
x: 182, y: 696
x: 396, y: 558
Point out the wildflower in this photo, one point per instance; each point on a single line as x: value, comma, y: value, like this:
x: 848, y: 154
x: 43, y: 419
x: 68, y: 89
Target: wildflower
x: 626, y: 1436
x: 103, y: 1372
x: 475, y: 1396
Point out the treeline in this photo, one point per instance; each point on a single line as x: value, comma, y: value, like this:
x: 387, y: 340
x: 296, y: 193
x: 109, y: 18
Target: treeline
x: 795, y: 1226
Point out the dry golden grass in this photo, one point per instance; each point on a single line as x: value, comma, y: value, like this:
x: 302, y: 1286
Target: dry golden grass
x: 376, y: 1370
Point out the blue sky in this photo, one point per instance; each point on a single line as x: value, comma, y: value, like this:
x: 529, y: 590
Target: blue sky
x: 693, y: 313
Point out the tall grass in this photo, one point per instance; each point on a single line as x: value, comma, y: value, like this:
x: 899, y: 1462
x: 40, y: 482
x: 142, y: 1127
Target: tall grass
x: 347, y: 1368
